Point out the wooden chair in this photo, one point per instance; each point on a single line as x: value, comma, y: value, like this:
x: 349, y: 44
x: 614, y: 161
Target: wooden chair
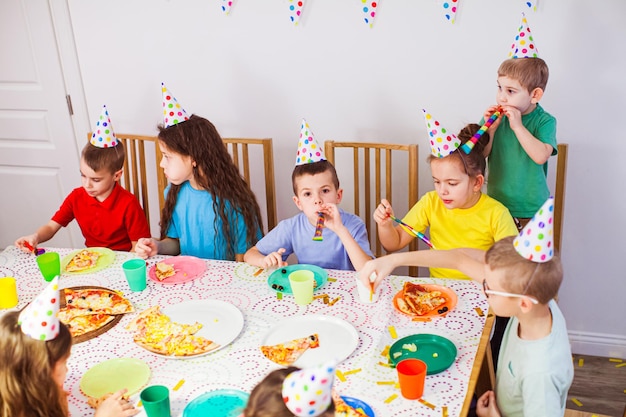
x: 368, y: 192
x: 238, y: 149
x: 559, y: 194
x: 135, y: 176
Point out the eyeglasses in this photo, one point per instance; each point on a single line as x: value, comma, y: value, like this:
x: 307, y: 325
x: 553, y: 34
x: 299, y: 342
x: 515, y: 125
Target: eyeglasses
x: 489, y: 292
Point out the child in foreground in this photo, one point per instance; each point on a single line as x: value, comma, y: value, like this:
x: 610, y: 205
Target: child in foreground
x: 108, y: 215
x: 343, y: 242
x: 210, y: 211
x: 33, y: 363
x: 457, y: 212
x: 520, y: 278
x: 524, y: 137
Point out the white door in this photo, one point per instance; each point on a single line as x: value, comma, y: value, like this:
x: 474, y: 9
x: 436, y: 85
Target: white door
x: 39, y: 152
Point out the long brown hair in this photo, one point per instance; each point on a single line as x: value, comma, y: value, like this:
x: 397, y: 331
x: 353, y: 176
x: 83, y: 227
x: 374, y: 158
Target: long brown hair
x: 27, y: 388
x: 215, y: 172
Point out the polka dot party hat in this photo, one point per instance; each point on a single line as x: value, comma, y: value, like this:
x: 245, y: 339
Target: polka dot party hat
x: 173, y: 113
x: 535, y: 241
x: 295, y: 10
x: 308, y: 392
x: 369, y: 8
x: 309, y: 150
x: 39, y: 319
x: 442, y: 143
x: 103, y: 136
x: 226, y: 6
x: 449, y: 9
x: 524, y: 45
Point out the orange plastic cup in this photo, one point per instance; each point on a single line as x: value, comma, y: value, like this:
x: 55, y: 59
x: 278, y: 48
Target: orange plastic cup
x: 412, y: 376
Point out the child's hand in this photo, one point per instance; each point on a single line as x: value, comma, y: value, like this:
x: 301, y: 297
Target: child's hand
x: 332, y: 217
x: 491, y: 110
x: 382, y: 212
x: 486, y: 405
x: 27, y: 243
x: 146, y: 247
x: 274, y: 259
x: 380, y: 267
x: 514, y: 115
x: 116, y: 406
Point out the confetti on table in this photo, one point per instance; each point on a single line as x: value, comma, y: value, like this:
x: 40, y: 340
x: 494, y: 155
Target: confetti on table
x: 353, y: 371
x: 423, y: 319
x: 444, y: 411
x: 279, y: 295
x: 139, y: 404
x: 384, y: 364
x: 330, y: 303
x: 326, y: 300
x: 426, y: 403
x: 388, y: 383
x: 332, y: 279
x: 385, y: 351
x: 479, y: 311
x: 620, y: 365
x: 177, y: 386
x: 315, y: 297
x: 340, y: 375
x: 392, y: 332
x: 391, y: 398
x: 581, y: 361
x: 258, y: 272
x: 615, y: 360
x: 578, y: 403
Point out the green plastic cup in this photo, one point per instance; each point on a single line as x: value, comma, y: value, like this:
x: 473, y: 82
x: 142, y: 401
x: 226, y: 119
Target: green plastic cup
x: 156, y: 401
x: 135, y: 272
x: 302, y: 283
x: 49, y: 264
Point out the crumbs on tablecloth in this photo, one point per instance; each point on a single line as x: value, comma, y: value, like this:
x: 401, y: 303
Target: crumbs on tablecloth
x: 391, y: 398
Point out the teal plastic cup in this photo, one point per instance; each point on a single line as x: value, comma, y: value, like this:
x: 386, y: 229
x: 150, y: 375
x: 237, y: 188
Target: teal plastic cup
x: 156, y: 401
x: 135, y: 272
x: 50, y: 265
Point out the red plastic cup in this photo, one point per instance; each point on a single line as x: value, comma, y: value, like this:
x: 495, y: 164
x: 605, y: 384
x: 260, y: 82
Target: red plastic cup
x: 412, y: 376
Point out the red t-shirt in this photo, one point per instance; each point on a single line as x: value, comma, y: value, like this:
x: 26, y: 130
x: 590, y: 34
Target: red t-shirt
x: 114, y: 223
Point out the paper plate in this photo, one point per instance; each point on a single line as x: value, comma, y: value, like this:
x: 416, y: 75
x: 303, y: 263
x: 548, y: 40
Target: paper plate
x: 448, y: 294
x: 107, y: 256
x: 113, y: 375
x: 338, y: 338
x: 218, y: 403
x: 187, y: 269
x: 436, y: 351
x: 279, y: 279
x: 356, y: 404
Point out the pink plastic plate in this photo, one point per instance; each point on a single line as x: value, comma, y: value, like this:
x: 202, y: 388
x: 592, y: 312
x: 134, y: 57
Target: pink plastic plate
x: 187, y: 269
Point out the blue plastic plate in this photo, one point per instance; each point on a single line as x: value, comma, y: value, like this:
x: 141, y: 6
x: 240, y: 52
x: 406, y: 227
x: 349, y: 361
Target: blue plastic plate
x: 356, y: 403
x: 218, y: 403
x: 279, y: 279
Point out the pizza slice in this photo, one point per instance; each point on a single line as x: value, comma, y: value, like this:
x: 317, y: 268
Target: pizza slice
x: 342, y: 409
x: 84, y: 324
x: 83, y: 260
x: 288, y: 352
x: 163, y: 270
x: 419, y: 300
x: 96, y: 300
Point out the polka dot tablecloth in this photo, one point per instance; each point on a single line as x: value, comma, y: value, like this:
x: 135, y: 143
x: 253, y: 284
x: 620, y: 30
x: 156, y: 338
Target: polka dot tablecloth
x: 241, y: 364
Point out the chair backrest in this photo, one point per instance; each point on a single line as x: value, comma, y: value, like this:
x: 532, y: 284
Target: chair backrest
x: 238, y: 148
x: 559, y: 194
x: 135, y: 176
x: 367, y: 191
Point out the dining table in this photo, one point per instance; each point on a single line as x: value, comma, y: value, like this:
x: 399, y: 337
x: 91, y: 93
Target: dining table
x: 365, y: 373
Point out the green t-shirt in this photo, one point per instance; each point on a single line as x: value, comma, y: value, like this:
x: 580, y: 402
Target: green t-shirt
x: 514, y: 179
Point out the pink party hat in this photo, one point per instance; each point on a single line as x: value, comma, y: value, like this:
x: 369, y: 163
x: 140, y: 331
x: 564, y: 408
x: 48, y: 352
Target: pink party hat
x: 449, y: 9
x: 308, y: 392
x: 535, y: 241
x: 442, y: 143
x: 173, y: 113
x: 39, y: 319
x: 524, y: 44
x: 295, y: 10
x: 103, y: 136
x: 309, y: 150
x: 370, y: 8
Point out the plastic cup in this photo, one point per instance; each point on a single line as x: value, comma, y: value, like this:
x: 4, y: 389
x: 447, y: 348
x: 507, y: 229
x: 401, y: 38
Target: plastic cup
x: 366, y: 295
x: 302, y: 283
x: 8, y: 292
x: 412, y: 376
x: 135, y: 272
x: 50, y: 265
x: 156, y: 401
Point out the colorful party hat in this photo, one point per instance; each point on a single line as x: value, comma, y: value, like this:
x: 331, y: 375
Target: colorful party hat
x: 295, y: 10
x: 535, y: 241
x: 308, y: 392
x: 442, y: 143
x: 524, y: 44
x: 103, y: 136
x: 226, y: 6
x: 39, y: 319
x: 531, y: 5
x: 449, y: 9
x: 370, y: 8
x: 173, y: 113
x: 309, y: 150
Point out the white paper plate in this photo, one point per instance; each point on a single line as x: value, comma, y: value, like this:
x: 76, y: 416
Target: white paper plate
x: 221, y: 321
x: 338, y: 338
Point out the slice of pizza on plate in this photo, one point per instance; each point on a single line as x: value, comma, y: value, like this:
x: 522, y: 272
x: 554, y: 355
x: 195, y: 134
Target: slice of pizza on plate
x: 163, y: 270
x: 83, y: 260
x: 342, y: 409
x: 416, y: 299
x: 287, y: 353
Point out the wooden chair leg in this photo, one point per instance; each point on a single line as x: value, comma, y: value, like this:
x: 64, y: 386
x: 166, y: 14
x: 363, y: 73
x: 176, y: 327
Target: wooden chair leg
x: 487, y: 377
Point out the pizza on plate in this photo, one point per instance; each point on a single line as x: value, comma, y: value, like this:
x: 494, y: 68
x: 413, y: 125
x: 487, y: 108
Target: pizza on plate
x: 85, y: 259
x: 288, y: 352
x: 156, y: 332
x: 342, y: 409
x: 163, y: 270
x: 416, y: 299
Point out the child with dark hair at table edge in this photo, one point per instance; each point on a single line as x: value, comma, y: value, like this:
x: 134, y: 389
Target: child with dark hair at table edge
x: 108, y: 215
x: 521, y: 277
x: 322, y: 234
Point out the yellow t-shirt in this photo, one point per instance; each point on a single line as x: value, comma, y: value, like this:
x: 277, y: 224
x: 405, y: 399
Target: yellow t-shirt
x: 477, y: 227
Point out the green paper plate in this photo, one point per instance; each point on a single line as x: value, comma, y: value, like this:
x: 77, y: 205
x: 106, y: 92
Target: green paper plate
x: 436, y: 351
x: 107, y: 256
x: 279, y: 279
x: 113, y: 375
x: 218, y: 403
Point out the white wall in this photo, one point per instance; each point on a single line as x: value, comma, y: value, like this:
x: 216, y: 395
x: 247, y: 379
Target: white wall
x: 254, y: 74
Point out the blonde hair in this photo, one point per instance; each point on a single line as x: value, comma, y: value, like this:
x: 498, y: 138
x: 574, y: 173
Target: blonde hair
x: 522, y: 276
x: 27, y: 388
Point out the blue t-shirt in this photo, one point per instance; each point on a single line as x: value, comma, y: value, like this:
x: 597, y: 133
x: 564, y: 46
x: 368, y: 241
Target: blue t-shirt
x: 199, y: 229
x: 296, y: 236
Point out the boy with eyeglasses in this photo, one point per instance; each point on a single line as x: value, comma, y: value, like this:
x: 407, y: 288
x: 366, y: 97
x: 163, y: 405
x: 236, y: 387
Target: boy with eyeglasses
x: 520, y: 277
